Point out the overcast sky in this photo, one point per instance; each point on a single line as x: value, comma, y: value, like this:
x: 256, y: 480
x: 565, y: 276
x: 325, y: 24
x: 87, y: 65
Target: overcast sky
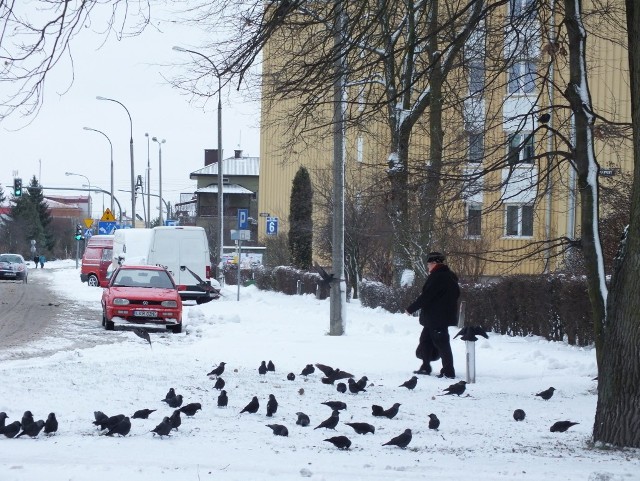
x: 130, y: 70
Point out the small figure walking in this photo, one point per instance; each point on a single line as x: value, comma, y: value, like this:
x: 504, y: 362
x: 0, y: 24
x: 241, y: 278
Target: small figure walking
x: 36, y: 259
x: 42, y: 260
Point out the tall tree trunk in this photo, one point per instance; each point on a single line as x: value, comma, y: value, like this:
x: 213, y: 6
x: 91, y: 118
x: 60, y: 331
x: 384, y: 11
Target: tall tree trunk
x: 618, y: 412
x: 586, y: 165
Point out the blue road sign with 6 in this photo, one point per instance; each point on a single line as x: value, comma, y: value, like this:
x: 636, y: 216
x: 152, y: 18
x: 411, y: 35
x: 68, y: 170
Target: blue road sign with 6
x: 272, y: 225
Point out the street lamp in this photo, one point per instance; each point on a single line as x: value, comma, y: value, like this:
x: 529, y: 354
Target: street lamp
x: 160, y: 142
x: 148, y: 183
x: 133, y: 190
x: 88, y: 182
x: 111, y: 146
x: 220, y: 183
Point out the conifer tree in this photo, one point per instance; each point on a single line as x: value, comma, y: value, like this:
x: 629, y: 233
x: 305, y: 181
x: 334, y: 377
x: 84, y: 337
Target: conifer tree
x: 300, y: 222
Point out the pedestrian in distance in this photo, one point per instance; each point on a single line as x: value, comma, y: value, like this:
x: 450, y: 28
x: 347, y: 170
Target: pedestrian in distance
x: 438, y: 305
x: 42, y: 259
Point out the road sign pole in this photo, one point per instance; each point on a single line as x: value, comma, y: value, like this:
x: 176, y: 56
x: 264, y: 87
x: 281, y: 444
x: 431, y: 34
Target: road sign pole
x: 239, y: 259
x: 77, y: 252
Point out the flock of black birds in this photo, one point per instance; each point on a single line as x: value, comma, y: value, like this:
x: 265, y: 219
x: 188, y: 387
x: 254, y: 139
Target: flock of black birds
x: 120, y: 424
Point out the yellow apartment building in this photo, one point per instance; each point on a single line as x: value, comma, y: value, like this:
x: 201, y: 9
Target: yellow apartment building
x: 506, y: 116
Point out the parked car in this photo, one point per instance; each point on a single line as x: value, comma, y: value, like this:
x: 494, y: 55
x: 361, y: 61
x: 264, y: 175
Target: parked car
x: 13, y: 267
x: 144, y: 295
x: 183, y: 250
x: 96, y: 260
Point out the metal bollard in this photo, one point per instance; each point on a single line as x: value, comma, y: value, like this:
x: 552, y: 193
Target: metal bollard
x: 471, y: 361
x: 299, y: 287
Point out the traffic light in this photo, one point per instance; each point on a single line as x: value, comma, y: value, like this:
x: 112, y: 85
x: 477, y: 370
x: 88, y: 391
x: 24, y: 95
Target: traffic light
x: 17, y: 187
x: 78, y: 232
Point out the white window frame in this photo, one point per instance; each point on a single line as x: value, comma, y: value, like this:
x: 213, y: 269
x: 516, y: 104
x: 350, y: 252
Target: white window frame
x: 518, y: 220
x: 522, y: 145
x: 521, y: 77
x: 360, y: 148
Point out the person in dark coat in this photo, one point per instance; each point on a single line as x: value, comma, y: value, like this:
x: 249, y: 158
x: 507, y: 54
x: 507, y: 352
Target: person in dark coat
x: 438, y: 304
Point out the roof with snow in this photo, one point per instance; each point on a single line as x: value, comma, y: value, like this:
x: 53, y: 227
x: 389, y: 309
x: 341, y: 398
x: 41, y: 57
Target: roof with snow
x: 226, y: 189
x: 247, y: 166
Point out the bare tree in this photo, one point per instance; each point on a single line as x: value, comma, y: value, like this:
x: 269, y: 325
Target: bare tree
x: 617, y: 416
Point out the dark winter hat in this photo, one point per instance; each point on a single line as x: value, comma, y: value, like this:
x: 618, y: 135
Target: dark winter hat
x: 435, y: 257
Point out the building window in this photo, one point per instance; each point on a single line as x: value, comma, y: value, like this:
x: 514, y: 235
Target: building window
x: 519, y: 220
x: 520, y: 148
x: 476, y: 147
x: 360, y: 148
x: 519, y: 7
x: 476, y: 76
x: 474, y: 224
x: 521, y: 77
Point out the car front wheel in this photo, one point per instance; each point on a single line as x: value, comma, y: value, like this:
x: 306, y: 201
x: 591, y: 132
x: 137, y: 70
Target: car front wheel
x: 93, y: 281
x: 177, y: 329
x: 108, y: 325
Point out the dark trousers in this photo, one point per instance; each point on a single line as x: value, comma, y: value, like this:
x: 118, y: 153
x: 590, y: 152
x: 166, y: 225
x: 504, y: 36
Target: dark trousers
x: 433, y: 345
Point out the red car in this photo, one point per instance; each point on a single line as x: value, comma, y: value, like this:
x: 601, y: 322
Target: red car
x: 142, y: 295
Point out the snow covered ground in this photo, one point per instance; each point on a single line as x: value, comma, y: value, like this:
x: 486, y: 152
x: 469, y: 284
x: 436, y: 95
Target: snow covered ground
x: 478, y: 438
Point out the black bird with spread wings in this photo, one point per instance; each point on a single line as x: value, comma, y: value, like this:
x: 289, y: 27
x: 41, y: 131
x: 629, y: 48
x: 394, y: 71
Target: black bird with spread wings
x: 327, y: 278
x: 469, y: 333
x: 143, y: 334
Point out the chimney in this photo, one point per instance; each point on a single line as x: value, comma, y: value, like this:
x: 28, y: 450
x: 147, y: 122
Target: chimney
x: 210, y: 156
x: 237, y: 154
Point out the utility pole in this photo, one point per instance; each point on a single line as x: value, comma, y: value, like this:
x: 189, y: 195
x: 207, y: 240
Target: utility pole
x: 338, y: 298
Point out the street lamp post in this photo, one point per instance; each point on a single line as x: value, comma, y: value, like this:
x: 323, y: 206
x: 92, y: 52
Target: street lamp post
x: 148, y: 182
x: 88, y: 182
x: 220, y: 178
x: 111, y: 147
x: 133, y: 190
x: 160, y: 142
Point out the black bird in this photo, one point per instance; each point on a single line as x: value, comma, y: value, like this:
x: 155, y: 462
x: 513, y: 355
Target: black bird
x: 219, y: 384
x: 303, y: 419
x: 270, y: 366
x: 223, y: 400
x: 142, y: 334
x: 262, y: 370
x: 279, y: 429
x: 291, y: 377
x: 122, y: 428
x: 164, y: 428
x: 3, y: 416
x: 272, y: 405
x: 411, y: 383
x: 335, y: 405
x: 362, y: 382
x: 218, y: 370
x: 11, y: 429
x: 175, y: 419
x: 362, y: 428
x: 544, y: 118
x: 469, y: 333
x: 308, y: 369
x: 191, y: 409
x: 142, y: 414
x: 434, y: 422
x: 387, y: 413
x: 331, y: 422
x: 27, y: 418
x: 332, y: 374
x: 340, y: 442
x: 341, y: 387
x: 51, y: 424
x: 457, y: 388
x: 519, y: 415
x: 353, y: 387
x: 402, y: 441
x: 111, y: 421
x: 175, y: 402
x: 100, y: 418
x: 33, y: 429
x: 547, y: 393
x: 170, y: 394
x: 252, y: 407
x: 561, y: 426
x: 326, y: 278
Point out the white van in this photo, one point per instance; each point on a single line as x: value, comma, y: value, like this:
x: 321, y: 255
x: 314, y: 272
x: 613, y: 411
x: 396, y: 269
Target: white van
x: 182, y: 250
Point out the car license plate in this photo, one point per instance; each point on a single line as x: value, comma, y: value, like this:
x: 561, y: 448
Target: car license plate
x: 10, y: 274
x: 145, y: 313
